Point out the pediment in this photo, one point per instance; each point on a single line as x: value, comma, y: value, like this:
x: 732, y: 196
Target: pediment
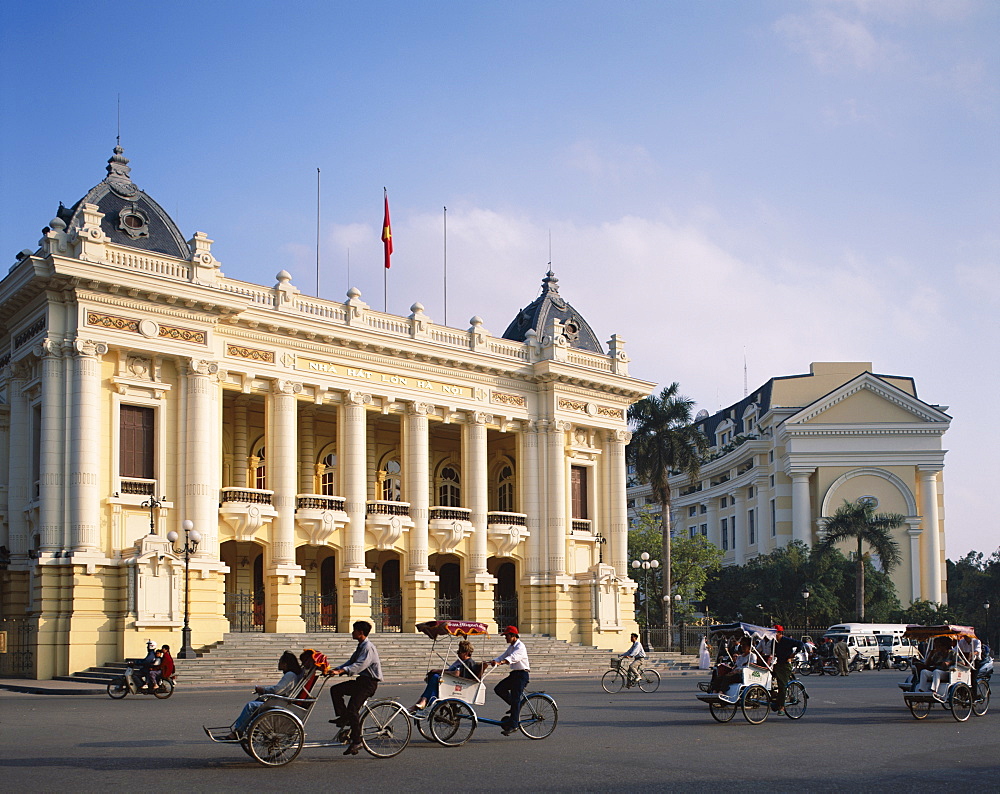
x: 867, y: 399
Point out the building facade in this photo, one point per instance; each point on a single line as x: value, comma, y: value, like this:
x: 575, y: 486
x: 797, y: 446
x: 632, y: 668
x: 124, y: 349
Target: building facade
x: 339, y: 463
x: 789, y: 454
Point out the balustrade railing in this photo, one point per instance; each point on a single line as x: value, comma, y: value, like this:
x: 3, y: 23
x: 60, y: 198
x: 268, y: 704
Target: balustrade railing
x: 320, y: 502
x: 251, y: 495
x: 381, y: 508
x: 500, y: 517
x: 450, y: 513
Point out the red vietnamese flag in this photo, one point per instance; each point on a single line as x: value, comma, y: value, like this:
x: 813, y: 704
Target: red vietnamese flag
x: 386, y: 231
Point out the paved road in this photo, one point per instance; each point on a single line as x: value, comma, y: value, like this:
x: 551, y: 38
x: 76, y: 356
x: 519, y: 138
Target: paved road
x: 856, y: 735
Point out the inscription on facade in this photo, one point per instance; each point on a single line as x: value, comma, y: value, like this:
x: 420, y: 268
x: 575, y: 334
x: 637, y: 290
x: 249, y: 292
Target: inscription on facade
x: 386, y: 378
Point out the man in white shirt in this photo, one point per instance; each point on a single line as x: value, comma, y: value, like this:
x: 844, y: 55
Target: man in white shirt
x: 636, y: 653
x: 972, y: 650
x: 512, y: 687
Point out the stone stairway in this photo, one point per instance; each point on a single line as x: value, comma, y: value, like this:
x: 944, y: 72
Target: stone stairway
x: 253, y: 657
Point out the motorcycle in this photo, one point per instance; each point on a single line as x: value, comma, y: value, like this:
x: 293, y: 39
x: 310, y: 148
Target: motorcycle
x: 130, y: 683
x: 858, y: 663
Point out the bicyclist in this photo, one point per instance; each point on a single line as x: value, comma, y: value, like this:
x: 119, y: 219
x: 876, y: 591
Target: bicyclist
x: 636, y: 654
x: 784, y: 649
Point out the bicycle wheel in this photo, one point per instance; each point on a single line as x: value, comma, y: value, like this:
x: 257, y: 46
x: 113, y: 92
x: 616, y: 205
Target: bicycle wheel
x: 452, y: 722
x: 722, y: 712
x: 537, y: 716
x: 424, y: 726
x: 960, y: 701
x: 117, y: 689
x: 613, y: 681
x: 385, y: 728
x: 982, y: 702
x: 918, y: 708
x: 649, y: 681
x: 796, y: 699
x: 755, y: 704
x: 275, y: 738
x: 164, y: 689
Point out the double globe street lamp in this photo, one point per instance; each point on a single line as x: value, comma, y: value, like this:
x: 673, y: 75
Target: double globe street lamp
x: 192, y: 537
x: 645, y: 563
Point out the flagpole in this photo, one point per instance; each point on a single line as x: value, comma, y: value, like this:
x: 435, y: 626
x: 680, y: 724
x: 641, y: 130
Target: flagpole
x: 446, y: 266
x: 317, y: 232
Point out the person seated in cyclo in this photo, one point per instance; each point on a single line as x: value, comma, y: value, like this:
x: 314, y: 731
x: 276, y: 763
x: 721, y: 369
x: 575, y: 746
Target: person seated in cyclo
x: 636, y: 653
x: 725, y: 676
x: 939, y: 662
x: 290, y: 669
x: 464, y: 667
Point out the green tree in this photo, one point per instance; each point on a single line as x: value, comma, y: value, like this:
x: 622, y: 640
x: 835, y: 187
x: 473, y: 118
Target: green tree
x: 926, y: 613
x: 859, y: 522
x: 664, y: 440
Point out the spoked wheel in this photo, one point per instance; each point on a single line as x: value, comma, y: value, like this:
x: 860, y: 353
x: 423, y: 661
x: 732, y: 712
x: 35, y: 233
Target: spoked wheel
x: 982, y: 702
x: 960, y: 700
x: 117, y: 689
x: 722, y: 712
x: 795, y: 700
x: 755, y: 704
x: 918, y: 708
x: 452, y: 722
x: 385, y: 729
x: 275, y: 738
x: 164, y: 689
x: 537, y: 716
x: 424, y: 726
x: 612, y: 681
x: 649, y: 681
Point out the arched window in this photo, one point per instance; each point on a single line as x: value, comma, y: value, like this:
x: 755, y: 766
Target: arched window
x: 258, y: 469
x: 449, y: 487
x: 392, y: 482
x: 505, y: 489
x: 328, y: 475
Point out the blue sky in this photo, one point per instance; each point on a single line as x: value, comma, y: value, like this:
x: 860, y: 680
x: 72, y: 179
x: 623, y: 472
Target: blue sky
x: 789, y: 181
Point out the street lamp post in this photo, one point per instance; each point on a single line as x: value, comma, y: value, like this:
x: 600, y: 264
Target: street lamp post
x: 680, y: 620
x: 805, y: 597
x: 645, y: 563
x: 152, y: 504
x: 192, y: 537
x: 986, y: 606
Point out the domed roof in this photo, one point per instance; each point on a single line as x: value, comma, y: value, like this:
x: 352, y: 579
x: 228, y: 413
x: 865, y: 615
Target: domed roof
x: 131, y: 217
x: 550, y: 304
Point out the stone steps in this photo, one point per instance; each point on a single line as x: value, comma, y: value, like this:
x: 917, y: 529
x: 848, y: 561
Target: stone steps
x: 252, y: 657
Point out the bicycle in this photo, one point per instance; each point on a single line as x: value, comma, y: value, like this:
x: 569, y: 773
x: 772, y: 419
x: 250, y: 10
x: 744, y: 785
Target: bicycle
x: 616, y: 679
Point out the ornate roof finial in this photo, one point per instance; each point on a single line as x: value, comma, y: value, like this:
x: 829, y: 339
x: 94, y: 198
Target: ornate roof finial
x: 118, y: 178
x: 550, y: 283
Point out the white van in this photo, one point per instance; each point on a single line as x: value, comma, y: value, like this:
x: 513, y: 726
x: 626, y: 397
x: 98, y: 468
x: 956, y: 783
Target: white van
x: 870, y: 638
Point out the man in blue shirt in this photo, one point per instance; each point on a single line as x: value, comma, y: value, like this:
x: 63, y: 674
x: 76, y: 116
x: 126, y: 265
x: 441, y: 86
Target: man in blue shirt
x: 365, y: 665
x: 636, y: 653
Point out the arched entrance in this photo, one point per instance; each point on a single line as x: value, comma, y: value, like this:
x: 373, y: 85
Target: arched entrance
x: 244, y: 599
x: 387, y: 593
x: 448, y: 604
x: 505, y: 608
x: 319, y: 587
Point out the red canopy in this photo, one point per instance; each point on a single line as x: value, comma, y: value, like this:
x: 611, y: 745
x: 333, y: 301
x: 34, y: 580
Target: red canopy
x: 452, y: 628
x: 946, y: 630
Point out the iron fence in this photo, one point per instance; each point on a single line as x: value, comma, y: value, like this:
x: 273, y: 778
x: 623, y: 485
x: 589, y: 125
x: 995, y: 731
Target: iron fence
x: 387, y: 612
x: 449, y: 608
x: 505, y: 611
x: 19, y: 660
x: 319, y: 611
x: 245, y: 611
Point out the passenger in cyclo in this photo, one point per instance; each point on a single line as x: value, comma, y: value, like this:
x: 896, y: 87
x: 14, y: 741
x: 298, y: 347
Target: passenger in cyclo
x: 939, y: 663
x: 290, y: 668
x: 464, y: 667
x: 726, y: 675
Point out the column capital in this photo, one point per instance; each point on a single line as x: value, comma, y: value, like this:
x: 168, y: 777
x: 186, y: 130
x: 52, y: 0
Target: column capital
x: 560, y: 426
x: 88, y: 348
x: 357, y: 398
x: 196, y: 366
x: 419, y: 409
x: 621, y: 436
x: 48, y: 348
x: 929, y: 472
x: 797, y: 472
x: 281, y: 386
x: 478, y: 418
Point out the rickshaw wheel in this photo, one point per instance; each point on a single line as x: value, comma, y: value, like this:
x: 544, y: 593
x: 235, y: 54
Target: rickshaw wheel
x: 275, y: 738
x: 919, y: 708
x: 982, y: 702
x: 424, y: 727
x: 960, y: 699
x: 795, y: 700
x: 612, y: 682
x: 722, y: 712
x: 537, y: 716
x: 649, y: 681
x: 385, y: 729
x: 452, y: 722
x: 755, y: 704
x: 164, y: 689
x: 246, y: 747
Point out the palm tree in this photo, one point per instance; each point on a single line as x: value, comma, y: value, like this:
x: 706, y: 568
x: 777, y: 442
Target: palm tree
x: 664, y: 440
x: 859, y: 521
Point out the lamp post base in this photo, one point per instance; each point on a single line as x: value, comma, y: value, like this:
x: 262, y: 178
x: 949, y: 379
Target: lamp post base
x: 187, y: 652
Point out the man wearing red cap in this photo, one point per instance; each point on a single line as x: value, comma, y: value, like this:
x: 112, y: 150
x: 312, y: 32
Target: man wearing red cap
x: 512, y: 687
x: 784, y: 649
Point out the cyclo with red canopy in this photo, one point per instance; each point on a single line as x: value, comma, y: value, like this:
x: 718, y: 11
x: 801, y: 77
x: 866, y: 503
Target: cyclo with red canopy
x: 951, y: 683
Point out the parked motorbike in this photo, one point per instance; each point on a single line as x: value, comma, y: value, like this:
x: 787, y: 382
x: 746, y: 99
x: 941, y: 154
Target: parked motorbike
x: 858, y: 663
x: 901, y: 662
x: 130, y: 683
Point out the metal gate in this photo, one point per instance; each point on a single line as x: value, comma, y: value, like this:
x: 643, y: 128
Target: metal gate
x: 387, y: 612
x: 245, y: 611
x: 505, y: 611
x: 449, y: 608
x: 19, y: 660
x: 319, y: 611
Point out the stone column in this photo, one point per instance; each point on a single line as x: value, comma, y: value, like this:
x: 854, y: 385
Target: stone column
x: 419, y: 581
x: 614, y: 455
x: 19, y: 471
x: 801, y: 508
x: 713, y: 519
x: 479, y: 600
x: 201, y: 491
x: 556, y: 496
x: 240, y: 444
x: 51, y: 516
x: 913, y: 532
x: 307, y: 450
x: 739, y: 527
x: 529, y: 502
x: 85, y: 454
x: 932, y: 534
x: 355, y: 578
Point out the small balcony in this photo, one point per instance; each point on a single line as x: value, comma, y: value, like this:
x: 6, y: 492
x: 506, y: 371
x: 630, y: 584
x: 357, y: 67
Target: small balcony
x: 246, y: 510
x: 387, y: 521
x: 320, y: 516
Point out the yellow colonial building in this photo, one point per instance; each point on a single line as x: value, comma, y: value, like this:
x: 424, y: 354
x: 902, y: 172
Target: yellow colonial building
x: 339, y: 463
x: 790, y: 453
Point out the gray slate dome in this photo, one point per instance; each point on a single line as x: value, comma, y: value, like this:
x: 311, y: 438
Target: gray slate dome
x: 550, y: 304
x: 131, y: 217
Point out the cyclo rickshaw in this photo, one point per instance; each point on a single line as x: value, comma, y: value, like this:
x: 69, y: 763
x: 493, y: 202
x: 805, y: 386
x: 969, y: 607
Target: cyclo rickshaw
x: 276, y: 733
x: 755, y: 694
x: 450, y: 718
x: 961, y: 695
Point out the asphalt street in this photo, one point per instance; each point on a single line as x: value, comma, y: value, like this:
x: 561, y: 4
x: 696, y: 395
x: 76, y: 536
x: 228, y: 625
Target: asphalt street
x: 856, y: 735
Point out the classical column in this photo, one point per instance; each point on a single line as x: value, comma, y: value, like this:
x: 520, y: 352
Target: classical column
x: 614, y: 459
x: 85, y: 454
x: 739, y: 527
x: 201, y: 492
x: 801, y: 509
x: 282, y: 467
x: 529, y: 481
x: 307, y: 450
x: 18, y: 486
x: 417, y: 481
x: 712, y: 517
x: 240, y: 450
x: 474, y: 470
x: 556, y: 496
x: 932, y: 534
x: 51, y: 516
x: 913, y: 531
x: 354, y: 456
